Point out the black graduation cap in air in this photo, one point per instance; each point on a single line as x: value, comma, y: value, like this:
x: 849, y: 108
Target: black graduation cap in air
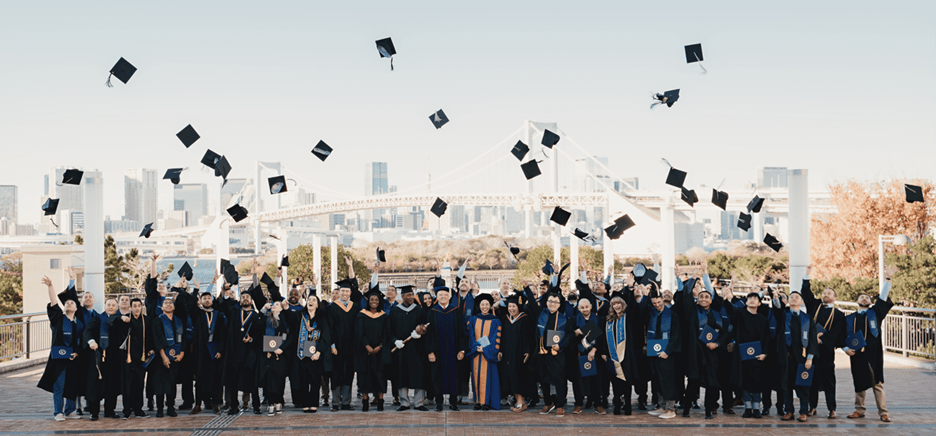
x: 50, y: 206
x: 513, y: 250
x: 210, y: 159
x: 188, y: 136
x: 438, y: 119
x: 772, y: 242
x: 381, y: 255
x: 439, y: 207
x: 237, y: 212
x: 222, y: 168
x: 285, y: 261
x: 755, y: 204
x: 560, y: 216
x: 621, y: 224
x: 914, y: 193
x: 675, y: 177
x: 72, y: 177
x: 224, y: 265
x: 689, y: 196
x: 147, y: 231
x: 322, y: 150
x: 231, y: 276
x: 70, y: 293
x: 530, y: 169
x: 186, y: 271
x: 520, y: 150
x: 694, y: 54
x: 667, y: 98
x: 122, y: 70
x: 744, y: 221
x: 386, y: 49
x: 648, y: 277
x: 550, y: 139
x: 174, y: 175
x: 267, y: 280
x: 720, y: 198
x: 277, y: 184
x: 583, y: 235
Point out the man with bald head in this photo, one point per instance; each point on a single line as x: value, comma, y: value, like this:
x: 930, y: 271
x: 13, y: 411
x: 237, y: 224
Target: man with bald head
x: 867, y: 362
x: 830, y: 325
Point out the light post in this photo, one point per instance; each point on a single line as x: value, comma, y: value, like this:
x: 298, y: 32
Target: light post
x: 882, y: 239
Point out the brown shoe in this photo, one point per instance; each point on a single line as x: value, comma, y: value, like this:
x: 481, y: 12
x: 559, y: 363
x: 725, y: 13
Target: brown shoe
x: 216, y: 409
x: 547, y: 408
x: 560, y: 412
x: 832, y: 415
x: 812, y: 412
x: 802, y: 418
x: 885, y: 418
x: 600, y: 410
x: 577, y: 410
x: 855, y: 415
x: 787, y: 417
x: 520, y: 408
x: 195, y: 410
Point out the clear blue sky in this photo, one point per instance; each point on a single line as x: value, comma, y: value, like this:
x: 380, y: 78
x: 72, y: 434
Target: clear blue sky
x: 846, y: 89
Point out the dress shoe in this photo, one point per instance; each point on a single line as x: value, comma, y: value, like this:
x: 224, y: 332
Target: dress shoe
x: 195, y: 410
x: 766, y: 411
x: 438, y: 407
x: 757, y: 414
x: 453, y: 407
x: 171, y: 412
x: 335, y: 408
x: 695, y: 405
x: 802, y: 418
x: 477, y: 407
x: 641, y: 405
x: 233, y: 411
x: 396, y: 401
x: 856, y: 415
x: 729, y: 411
x: 547, y: 409
x: 159, y: 413
x: 685, y: 413
x: 485, y: 407
x: 560, y: 412
x: 831, y: 414
x: 421, y: 408
x: 885, y: 418
x: 577, y: 410
x: 709, y: 415
x: 257, y: 411
x: 748, y: 413
x: 216, y: 409
x: 787, y: 417
x: 600, y: 410
x: 94, y: 417
x: 346, y: 407
x: 402, y: 409
x: 140, y: 414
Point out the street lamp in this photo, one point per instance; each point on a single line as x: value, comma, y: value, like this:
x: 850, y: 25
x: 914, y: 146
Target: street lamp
x: 882, y: 239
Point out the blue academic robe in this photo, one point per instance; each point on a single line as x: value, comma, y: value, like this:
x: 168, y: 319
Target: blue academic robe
x: 484, y: 373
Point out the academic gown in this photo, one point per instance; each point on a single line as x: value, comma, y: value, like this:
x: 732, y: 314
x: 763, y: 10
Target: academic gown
x: 552, y: 367
x: 867, y: 365
x: 371, y: 329
x: 749, y: 374
x: 484, y: 372
x: 74, y: 379
x: 833, y: 321
x: 701, y: 363
x: 629, y: 348
x: 341, y: 319
x: 164, y: 378
x: 409, y: 363
x: 273, y: 367
x: 664, y: 369
x: 791, y: 356
x: 186, y: 303
x: 205, y: 339
x: 243, y: 359
x: 516, y: 341
x: 95, y: 375
x: 446, y: 338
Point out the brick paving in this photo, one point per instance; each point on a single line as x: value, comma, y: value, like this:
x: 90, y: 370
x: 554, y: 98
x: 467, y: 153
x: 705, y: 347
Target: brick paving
x: 25, y: 409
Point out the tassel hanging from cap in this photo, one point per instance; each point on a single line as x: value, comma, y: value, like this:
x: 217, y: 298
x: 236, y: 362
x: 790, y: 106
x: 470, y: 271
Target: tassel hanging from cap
x: 704, y: 71
x: 391, y: 63
x: 108, y: 80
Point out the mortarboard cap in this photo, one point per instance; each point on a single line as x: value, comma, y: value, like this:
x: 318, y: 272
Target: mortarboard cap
x: 147, y: 231
x: 620, y: 225
x: 513, y: 250
x: 267, y: 280
x: 188, y: 136
x: 582, y: 235
x: 694, y: 53
x: 550, y: 139
x: 720, y: 198
x: 174, y: 175
x: 231, y: 276
x: 375, y: 292
x: 689, y: 196
x: 237, y: 212
x: 186, y: 271
x: 520, y: 150
x: 648, y: 277
x: 772, y: 242
x: 381, y: 256
x: 667, y: 98
x: 69, y: 293
x: 277, y: 184
x: 50, y: 206
x: 346, y: 283
x: 438, y: 119
x: 439, y: 207
x: 285, y: 261
x: 211, y: 159
x: 530, y: 169
x: 548, y: 268
x: 675, y: 177
x: 560, y: 216
x: 72, y: 177
x: 914, y: 193
x: 322, y: 150
x: 755, y: 204
x: 744, y: 221
x: 224, y: 265
x: 405, y: 289
x: 222, y: 168
x: 122, y: 70
x: 386, y: 49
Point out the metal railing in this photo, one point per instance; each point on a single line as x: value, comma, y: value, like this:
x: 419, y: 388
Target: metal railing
x: 24, y: 335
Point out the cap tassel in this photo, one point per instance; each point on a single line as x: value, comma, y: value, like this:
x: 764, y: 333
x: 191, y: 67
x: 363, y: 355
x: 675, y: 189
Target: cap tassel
x: 53, y: 222
x: 108, y: 80
x: 391, y: 63
x: 704, y: 71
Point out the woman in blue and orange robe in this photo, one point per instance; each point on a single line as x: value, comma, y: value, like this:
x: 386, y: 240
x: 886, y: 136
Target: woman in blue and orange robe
x: 484, y: 353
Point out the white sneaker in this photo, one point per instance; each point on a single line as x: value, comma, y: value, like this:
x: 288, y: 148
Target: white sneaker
x: 656, y: 412
x: 669, y: 414
x: 271, y: 411
x: 59, y: 417
x: 73, y: 415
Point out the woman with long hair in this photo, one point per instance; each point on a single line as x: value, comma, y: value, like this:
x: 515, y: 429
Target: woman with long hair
x: 274, y: 368
x: 484, y: 342
x: 312, y: 336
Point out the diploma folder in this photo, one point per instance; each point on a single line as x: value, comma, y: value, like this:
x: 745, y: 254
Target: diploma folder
x: 855, y: 341
x: 554, y: 337
x: 483, y: 341
x: 656, y: 346
x: 272, y: 343
x: 708, y: 334
x: 587, y: 367
x: 750, y: 350
x: 803, y: 375
x: 61, y: 352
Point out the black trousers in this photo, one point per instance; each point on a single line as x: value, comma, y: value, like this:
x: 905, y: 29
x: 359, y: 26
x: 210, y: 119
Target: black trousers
x: 803, y: 393
x: 133, y: 375
x: 825, y: 367
x: 691, y: 393
x: 95, y: 386
x: 711, y: 400
x: 557, y: 399
x: 208, y: 387
x: 310, y: 382
x: 622, y: 389
x: 113, y: 382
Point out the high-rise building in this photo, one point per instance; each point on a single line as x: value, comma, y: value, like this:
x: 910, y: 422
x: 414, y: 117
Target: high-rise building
x: 140, y: 195
x: 72, y: 222
x: 589, y: 176
x: 9, y: 203
x: 772, y: 177
x: 192, y: 198
x: 376, y: 183
x: 229, y: 190
x: 626, y: 184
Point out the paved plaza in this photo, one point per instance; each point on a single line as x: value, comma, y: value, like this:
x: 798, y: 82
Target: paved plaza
x: 25, y: 409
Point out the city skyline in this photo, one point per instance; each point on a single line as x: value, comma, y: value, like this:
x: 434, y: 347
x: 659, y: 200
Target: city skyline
x: 809, y: 90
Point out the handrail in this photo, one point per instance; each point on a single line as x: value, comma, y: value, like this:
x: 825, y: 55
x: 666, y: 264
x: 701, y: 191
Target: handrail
x: 21, y: 315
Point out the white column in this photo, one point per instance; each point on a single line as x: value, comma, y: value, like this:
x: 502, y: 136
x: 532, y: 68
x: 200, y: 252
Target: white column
x: 573, y: 258
x: 798, y: 243
x: 282, y: 248
x: 94, y: 237
x: 606, y: 245
x: 223, y: 244
x: 669, y: 245
x: 528, y: 212
x: 758, y: 219
x: 317, y: 259
x: 334, y: 261
x: 557, y: 245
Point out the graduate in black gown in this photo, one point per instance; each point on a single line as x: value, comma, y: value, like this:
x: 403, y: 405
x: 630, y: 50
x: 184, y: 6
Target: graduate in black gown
x: 137, y: 350
x: 312, y: 344
x: 407, y: 327
x: 170, y: 340
x: 62, y: 376
x: 619, y: 349
x: 552, y: 324
x: 426, y: 300
x: 244, y: 346
x: 797, y: 346
x: 748, y: 374
x: 341, y: 316
x: 371, y: 352
x: 274, y: 364
x: 446, y: 346
x: 97, y: 336
x: 209, y: 342
x: 517, y: 348
x: 663, y: 324
x: 830, y: 327
x: 867, y: 363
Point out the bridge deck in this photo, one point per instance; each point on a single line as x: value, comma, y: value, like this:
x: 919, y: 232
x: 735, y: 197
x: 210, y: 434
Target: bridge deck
x: 24, y: 409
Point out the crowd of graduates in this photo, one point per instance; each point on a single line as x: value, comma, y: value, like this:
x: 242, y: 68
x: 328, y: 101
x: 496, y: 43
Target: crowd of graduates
x: 511, y: 348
